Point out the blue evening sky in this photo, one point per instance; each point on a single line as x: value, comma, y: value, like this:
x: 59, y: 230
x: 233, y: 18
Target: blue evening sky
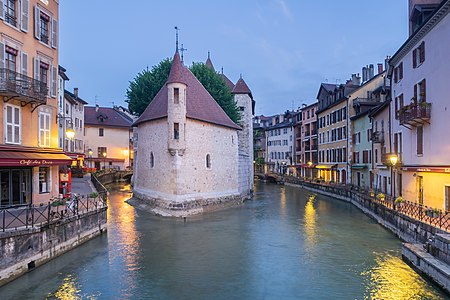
x: 283, y: 48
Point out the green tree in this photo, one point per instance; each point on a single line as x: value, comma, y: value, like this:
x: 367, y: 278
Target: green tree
x: 146, y: 85
x: 218, y: 89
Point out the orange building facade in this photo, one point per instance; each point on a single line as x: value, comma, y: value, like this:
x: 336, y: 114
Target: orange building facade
x: 29, y: 154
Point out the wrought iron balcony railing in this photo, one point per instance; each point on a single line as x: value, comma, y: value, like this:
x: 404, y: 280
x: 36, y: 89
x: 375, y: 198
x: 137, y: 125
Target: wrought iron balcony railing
x: 28, y: 90
x: 378, y: 137
x: 415, y: 114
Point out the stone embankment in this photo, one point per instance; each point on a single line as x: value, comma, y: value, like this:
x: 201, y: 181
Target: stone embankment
x: 427, y: 242
x: 186, y: 208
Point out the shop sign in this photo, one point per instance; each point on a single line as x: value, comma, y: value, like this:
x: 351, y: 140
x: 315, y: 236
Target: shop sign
x: 427, y: 169
x: 35, y: 162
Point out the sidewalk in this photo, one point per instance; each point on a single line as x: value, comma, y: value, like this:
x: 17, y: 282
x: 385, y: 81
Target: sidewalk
x: 83, y: 186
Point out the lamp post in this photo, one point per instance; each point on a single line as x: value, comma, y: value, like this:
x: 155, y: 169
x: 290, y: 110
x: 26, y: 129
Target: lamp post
x: 90, y: 152
x: 393, y: 159
x: 104, y: 160
x: 310, y: 170
x: 70, y: 133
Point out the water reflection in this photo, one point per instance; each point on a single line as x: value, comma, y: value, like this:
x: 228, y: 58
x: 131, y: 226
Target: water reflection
x: 283, y: 201
x: 391, y: 278
x: 310, y: 223
x: 69, y: 289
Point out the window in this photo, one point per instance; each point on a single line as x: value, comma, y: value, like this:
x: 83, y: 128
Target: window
x: 101, y: 132
x: 176, y: 131
x: 365, y: 156
x: 44, y: 180
x: 43, y: 72
x: 44, y: 129
x: 418, y: 55
x: 356, y: 157
x: 152, y: 160
x: 11, y: 59
x: 44, y: 21
x: 10, y: 12
x: 176, y: 95
x: 208, y: 161
x: 400, y: 71
x: 13, y: 124
x: 376, y: 156
x: 422, y: 91
x: 419, y: 140
x: 102, y: 152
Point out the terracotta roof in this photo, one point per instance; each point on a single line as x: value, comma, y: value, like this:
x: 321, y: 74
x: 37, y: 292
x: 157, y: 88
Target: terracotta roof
x: 176, y: 71
x: 106, y: 116
x: 209, y: 64
x: 200, y: 105
x: 241, y: 88
x: 71, y: 97
x: 228, y: 82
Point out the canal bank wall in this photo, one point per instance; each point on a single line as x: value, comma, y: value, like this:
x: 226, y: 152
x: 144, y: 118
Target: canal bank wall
x: 426, y: 248
x: 23, y: 250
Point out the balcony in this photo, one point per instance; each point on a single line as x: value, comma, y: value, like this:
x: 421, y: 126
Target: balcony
x: 16, y: 85
x: 415, y: 114
x: 378, y: 137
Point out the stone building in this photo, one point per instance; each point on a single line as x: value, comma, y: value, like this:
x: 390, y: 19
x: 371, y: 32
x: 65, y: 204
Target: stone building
x: 190, y: 156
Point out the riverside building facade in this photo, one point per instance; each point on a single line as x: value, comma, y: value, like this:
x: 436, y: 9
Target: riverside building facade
x: 29, y: 152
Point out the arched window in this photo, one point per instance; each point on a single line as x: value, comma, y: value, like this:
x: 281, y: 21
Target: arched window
x: 152, y: 160
x: 208, y: 161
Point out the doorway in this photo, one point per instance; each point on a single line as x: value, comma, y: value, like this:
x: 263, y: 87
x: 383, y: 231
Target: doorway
x: 447, y: 197
x: 15, y: 187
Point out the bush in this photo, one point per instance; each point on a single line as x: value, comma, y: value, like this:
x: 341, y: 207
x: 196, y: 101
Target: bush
x: 93, y: 195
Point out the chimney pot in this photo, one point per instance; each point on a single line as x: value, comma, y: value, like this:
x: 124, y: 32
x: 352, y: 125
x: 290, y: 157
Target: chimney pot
x: 75, y: 92
x: 96, y: 107
x: 380, y: 68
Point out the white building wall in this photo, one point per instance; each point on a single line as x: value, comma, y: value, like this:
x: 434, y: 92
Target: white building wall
x: 186, y: 177
x: 279, y: 142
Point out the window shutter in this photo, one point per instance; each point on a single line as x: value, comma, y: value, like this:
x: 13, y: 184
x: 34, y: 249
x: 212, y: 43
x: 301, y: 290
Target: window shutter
x: 37, y: 16
x: 2, y: 12
x: 415, y: 93
x: 54, y: 33
x: 54, y: 82
x: 395, y: 75
x: 400, y: 71
x: 422, y: 52
x: 414, y: 56
x: 2, y: 55
x: 24, y: 63
x: 36, y: 66
x: 419, y: 140
x: 25, y: 12
x: 423, y: 91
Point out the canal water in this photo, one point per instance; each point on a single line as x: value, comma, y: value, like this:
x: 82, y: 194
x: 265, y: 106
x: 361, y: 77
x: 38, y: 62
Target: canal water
x: 286, y: 243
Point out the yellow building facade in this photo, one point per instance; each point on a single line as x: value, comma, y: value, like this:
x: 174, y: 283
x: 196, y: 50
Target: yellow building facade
x: 29, y: 154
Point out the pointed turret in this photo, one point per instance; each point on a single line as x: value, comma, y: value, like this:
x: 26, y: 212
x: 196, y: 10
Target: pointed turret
x: 176, y: 70
x: 241, y: 88
x: 208, y: 62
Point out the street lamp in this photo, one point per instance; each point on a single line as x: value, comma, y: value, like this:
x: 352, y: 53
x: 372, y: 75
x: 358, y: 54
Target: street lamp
x: 104, y: 160
x: 90, y: 152
x: 393, y: 159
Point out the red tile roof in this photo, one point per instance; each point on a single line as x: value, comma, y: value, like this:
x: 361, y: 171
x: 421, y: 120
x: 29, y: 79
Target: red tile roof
x: 176, y: 71
x: 228, y: 82
x: 209, y: 63
x: 242, y: 88
x: 200, y: 105
x: 106, y: 116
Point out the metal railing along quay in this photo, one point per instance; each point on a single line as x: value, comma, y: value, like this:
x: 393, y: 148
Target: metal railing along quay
x: 55, y: 211
x: 367, y: 198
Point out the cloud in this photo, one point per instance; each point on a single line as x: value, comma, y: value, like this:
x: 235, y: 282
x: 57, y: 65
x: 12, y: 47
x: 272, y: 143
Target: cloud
x: 285, y: 9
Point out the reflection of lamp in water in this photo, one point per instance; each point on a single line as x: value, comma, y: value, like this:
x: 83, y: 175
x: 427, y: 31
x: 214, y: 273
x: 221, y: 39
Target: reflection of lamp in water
x: 310, y: 221
x: 393, y: 159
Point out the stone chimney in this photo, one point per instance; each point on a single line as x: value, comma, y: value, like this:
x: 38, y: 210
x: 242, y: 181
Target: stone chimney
x: 380, y: 68
x: 75, y: 92
x: 97, y: 107
x: 356, y: 79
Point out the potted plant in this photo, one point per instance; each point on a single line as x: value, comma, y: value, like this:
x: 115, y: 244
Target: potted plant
x: 372, y: 193
x: 399, y: 200
x: 381, y: 196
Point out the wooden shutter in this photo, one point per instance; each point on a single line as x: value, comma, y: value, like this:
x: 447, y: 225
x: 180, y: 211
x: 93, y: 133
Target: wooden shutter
x: 400, y: 67
x: 365, y: 156
x: 419, y: 140
x: 24, y: 63
x: 395, y: 75
x: 54, y: 81
x: 24, y: 13
x: 2, y: 11
x: 36, y: 66
x: 422, y: 52
x: 54, y: 33
x: 423, y: 90
x: 414, y: 58
x: 396, y: 106
x: 415, y: 94
x: 37, y: 17
x: 2, y: 55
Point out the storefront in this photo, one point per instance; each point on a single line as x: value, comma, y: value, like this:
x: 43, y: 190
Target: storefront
x: 29, y: 175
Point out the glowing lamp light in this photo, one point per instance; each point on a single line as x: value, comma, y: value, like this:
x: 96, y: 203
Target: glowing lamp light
x: 70, y: 133
x: 104, y: 154
x: 126, y: 152
x: 310, y: 163
x: 393, y: 159
x: 90, y: 152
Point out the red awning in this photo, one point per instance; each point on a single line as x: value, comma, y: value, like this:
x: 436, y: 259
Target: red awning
x: 32, y: 159
x: 98, y: 159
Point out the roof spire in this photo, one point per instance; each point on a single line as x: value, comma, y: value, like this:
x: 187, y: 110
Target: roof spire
x: 222, y: 70
x: 208, y: 62
x: 240, y: 76
x: 208, y: 55
x: 176, y: 38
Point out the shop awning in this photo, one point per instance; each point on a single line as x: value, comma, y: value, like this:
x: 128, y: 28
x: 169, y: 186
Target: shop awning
x: 32, y: 159
x: 98, y: 159
x: 324, y: 166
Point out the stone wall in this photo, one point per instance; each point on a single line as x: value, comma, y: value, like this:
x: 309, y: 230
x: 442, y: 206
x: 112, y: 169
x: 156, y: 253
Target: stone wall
x: 23, y: 250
